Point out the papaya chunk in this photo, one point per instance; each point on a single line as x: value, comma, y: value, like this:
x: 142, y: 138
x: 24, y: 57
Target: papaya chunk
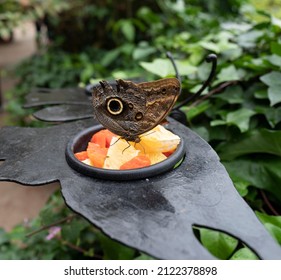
x: 103, y: 138
x: 96, y: 154
x: 136, y: 162
x: 81, y: 155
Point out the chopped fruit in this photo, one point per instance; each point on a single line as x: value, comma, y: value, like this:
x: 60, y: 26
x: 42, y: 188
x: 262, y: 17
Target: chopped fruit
x: 87, y: 161
x: 96, y: 154
x: 136, y: 162
x: 167, y: 154
x: 107, y: 150
x: 103, y: 138
x: 119, y: 152
x: 156, y: 157
x: 159, y: 139
x: 81, y: 155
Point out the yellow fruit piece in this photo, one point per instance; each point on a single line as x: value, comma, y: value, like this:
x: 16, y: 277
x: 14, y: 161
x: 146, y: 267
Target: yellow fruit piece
x: 155, y: 157
x: 118, y: 153
x: 158, y: 140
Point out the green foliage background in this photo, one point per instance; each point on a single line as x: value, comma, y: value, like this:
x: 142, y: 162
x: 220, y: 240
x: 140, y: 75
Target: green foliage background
x: 239, y: 115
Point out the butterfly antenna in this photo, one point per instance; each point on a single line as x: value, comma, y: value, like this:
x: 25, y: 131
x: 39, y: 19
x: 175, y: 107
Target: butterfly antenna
x: 115, y: 141
x: 129, y: 145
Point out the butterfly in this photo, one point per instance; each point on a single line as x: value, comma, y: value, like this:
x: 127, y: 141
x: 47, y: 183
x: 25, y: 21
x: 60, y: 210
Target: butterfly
x: 130, y: 109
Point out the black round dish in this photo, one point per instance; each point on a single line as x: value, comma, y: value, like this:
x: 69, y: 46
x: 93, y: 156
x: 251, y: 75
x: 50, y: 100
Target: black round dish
x: 80, y: 142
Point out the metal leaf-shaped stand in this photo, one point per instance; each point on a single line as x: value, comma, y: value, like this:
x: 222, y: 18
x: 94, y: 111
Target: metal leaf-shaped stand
x: 154, y: 215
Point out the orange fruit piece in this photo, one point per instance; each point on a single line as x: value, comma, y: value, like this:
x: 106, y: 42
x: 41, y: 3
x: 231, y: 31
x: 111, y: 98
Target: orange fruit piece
x: 96, y: 154
x: 103, y: 138
x: 81, y: 155
x: 167, y: 154
x: 136, y: 162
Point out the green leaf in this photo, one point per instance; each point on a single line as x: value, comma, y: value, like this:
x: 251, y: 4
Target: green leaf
x: 272, y: 223
x: 274, y: 59
x: 197, y: 110
x: 276, y: 21
x: 3, y: 237
x: 232, y: 95
x: 164, y: 67
x: 249, y: 39
x: 255, y: 141
x: 242, y: 187
x: 113, y: 250
x: 240, y: 118
x: 219, y: 244
x: 128, y: 30
x: 262, y: 172
x: 273, y: 80
x: 273, y: 115
x: 142, y: 52
x: 244, y: 254
x: 144, y: 257
x: 275, y: 48
x: 72, y: 231
x: 110, y: 57
x: 227, y: 74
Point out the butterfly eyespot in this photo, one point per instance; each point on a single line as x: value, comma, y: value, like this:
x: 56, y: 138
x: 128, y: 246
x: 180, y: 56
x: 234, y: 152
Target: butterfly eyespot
x: 163, y: 90
x: 115, y: 106
x: 131, y: 106
x: 138, y: 116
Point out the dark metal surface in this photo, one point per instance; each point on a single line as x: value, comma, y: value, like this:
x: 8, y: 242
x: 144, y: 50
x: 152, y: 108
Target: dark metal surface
x: 63, y: 113
x: 45, y: 96
x: 154, y: 215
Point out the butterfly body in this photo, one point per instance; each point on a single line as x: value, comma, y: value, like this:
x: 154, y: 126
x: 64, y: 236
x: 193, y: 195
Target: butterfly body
x: 132, y: 109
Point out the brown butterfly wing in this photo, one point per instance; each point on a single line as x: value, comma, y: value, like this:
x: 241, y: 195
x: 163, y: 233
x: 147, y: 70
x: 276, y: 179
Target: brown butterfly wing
x: 161, y: 95
x: 144, y: 105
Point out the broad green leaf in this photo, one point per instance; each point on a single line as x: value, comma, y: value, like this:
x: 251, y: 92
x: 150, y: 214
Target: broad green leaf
x: 273, y: 80
x: 262, y: 172
x: 275, y: 48
x: 240, y: 118
x: 255, y: 141
x: 232, y: 95
x: 110, y: 57
x: 274, y: 60
x: 276, y: 21
x: 261, y: 94
x: 210, y: 46
x: 227, y: 74
x: 269, y: 219
x: 128, y: 29
x: 164, y: 67
x: 197, y: 110
x: 272, y: 223
x: 142, y: 52
x: 248, y: 39
x: 219, y: 244
x: 244, y: 254
x: 274, y: 95
x: 242, y: 187
x: 272, y: 114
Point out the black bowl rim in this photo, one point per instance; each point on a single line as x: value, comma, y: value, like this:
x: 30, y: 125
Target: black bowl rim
x: 120, y: 175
